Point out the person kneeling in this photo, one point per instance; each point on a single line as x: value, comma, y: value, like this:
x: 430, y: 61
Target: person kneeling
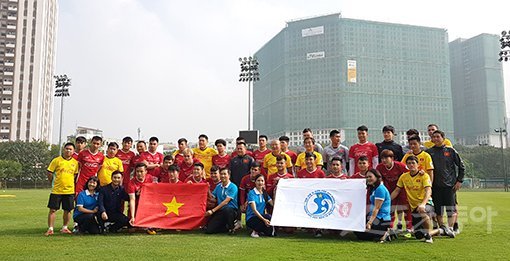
x: 85, y: 213
x: 223, y: 215
x: 111, y: 199
x: 256, y: 217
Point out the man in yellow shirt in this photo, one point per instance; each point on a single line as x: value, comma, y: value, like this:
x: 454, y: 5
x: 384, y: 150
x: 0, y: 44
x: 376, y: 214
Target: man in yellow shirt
x: 204, y: 153
x: 269, y: 163
x: 110, y: 165
x: 418, y: 188
x: 309, y: 147
x: 429, y: 144
x: 424, y: 159
x: 61, y: 173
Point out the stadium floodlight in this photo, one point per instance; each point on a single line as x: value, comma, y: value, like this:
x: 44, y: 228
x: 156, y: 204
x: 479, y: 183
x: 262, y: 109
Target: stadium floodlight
x: 249, y: 73
x: 504, y: 54
x: 62, y: 84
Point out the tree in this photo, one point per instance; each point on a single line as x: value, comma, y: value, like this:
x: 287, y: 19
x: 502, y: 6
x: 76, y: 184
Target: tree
x: 8, y: 170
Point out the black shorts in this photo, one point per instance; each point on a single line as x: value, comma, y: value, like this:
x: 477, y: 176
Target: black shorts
x: 417, y: 219
x: 67, y: 201
x: 444, y: 198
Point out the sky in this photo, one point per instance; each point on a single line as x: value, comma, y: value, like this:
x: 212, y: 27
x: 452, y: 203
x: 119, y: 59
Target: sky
x: 171, y: 67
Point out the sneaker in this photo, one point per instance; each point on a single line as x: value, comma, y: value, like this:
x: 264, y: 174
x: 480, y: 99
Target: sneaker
x: 237, y: 225
x: 76, y: 230
x: 66, y: 231
x: 231, y: 231
x: 254, y: 234
x: 456, y: 231
x: 49, y: 232
x: 399, y: 227
x: 151, y: 231
x: 318, y: 233
x: 448, y: 231
x: 430, y: 241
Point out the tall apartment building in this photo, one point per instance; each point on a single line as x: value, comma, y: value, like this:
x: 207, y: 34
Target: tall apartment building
x: 330, y: 72
x: 478, y: 90
x: 27, y: 64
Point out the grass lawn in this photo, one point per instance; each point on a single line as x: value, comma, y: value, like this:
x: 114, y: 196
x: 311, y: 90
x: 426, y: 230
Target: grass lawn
x: 485, y: 220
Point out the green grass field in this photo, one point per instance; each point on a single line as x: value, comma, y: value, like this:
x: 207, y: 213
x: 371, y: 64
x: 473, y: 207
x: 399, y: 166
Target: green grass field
x: 485, y: 220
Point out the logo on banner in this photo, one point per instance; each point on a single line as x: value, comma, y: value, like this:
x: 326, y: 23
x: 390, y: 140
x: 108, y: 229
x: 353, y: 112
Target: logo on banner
x: 345, y: 209
x: 319, y: 204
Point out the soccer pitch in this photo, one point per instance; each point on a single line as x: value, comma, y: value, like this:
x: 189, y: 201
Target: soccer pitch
x: 484, y: 218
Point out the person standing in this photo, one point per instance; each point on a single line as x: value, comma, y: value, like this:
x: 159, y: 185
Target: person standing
x: 204, y: 154
x: 110, y: 164
x: 362, y: 148
x: 126, y: 155
x: 90, y: 161
x: 335, y: 149
x: 389, y: 144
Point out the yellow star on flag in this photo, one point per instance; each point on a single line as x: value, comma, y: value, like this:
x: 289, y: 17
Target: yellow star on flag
x: 173, y: 207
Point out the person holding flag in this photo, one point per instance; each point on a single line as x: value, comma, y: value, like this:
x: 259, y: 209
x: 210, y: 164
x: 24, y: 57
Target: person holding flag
x: 134, y: 188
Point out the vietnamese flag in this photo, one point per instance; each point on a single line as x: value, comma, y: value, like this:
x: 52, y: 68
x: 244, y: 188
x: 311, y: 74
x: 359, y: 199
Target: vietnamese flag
x: 171, y: 206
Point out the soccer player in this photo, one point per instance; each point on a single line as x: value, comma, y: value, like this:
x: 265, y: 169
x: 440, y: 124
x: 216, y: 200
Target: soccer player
x: 204, y: 153
x: 110, y: 203
x: 270, y: 159
x: 153, y: 158
x: 134, y: 188
x: 418, y: 190
x: 307, y: 133
x: 256, y: 216
x: 335, y: 149
x: 186, y: 167
x: 222, y: 159
x: 223, y: 215
x: 391, y: 170
x: 363, y: 167
x: 240, y: 164
x: 261, y: 152
x: 448, y: 177
x: 141, y: 149
x: 431, y: 129
x: 247, y: 184
x: 214, y: 179
x: 161, y: 173
x: 311, y: 170
x: 234, y: 153
x: 409, y: 134
x: 425, y: 161
x: 126, y: 155
x: 300, y: 162
x: 389, y: 144
x: 281, y: 173
x: 85, y: 213
x: 110, y: 164
x: 178, y: 155
x: 198, y: 174
x: 81, y: 143
x: 90, y: 161
x: 284, y: 144
x: 362, y: 148
x: 173, y: 174
x: 61, y: 173
x: 336, y: 171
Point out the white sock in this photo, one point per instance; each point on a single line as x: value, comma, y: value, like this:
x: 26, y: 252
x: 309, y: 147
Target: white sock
x: 64, y: 227
x: 50, y: 228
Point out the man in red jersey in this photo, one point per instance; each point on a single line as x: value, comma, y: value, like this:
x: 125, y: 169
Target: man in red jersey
x: 391, y: 170
x: 336, y: 169
x: 178, y: 155
x: 141, y: 149
x: 261, y: 152
x: 272, y: 181
x: 311, y: 170
x: 222, y: 159
x: 126, y: 155
x: 173, y: 175
x: 247, y: 184
x: 90, y: 162
x: 81, y: 143
x: 363, y: 167
x: 214, y: 179
x: 186, y: 167
x: 284, y: 144
x: 154, y: 159
x: 198, y: 175
x: 135, y: 187
x: 161, y: 173
x: 362, y: 148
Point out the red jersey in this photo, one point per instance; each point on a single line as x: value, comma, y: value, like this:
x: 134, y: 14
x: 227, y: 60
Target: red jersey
x: 191, y: 179
x: 212, y: 184
x: 221, y: 161
x: 186, y: 170
x: 305, y: 174
x: 342, y: 176
x: 234, y: 154
x: 90, y: 163
x: 245, y: 186
x: 126, y: 158
x: 153, y: 158
x: 178, y: 159
x: 390, y: 176
x: 292, y: 155
x: 161, y: 174
x: 259, y: 157
x: 135, y: 186
x: 137, y: 159
x: 358, y: 175
x: 367, y: 149
x: 75, y: 155
x: 272, y: 182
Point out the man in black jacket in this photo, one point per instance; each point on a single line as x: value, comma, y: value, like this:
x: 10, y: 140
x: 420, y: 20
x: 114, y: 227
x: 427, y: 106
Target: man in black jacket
x: 448, y: 177
x: 389, y: 144
x: 111, y: 198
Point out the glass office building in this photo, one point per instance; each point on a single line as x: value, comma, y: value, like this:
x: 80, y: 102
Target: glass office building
x: 330, y: 72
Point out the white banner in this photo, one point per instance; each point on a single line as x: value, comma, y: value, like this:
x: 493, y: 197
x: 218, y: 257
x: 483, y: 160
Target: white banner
x: 315, y: 55
x: 320, y: 203
x: 312, y: 31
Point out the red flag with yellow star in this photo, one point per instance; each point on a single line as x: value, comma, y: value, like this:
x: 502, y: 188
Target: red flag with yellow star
x: 172, y: 206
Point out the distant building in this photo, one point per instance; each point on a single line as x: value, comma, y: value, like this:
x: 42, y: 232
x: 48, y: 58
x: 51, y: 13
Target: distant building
x: 330, y: 72
x: 478, y: 90
x: 87, y: 132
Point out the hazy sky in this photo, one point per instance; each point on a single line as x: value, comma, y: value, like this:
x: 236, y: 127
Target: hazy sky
x: 170, y: 67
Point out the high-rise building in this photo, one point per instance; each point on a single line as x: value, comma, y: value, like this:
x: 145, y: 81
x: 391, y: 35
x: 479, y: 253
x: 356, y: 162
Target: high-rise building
x: 478, y: 90
x: 330, y: 72
x: 27, y: 64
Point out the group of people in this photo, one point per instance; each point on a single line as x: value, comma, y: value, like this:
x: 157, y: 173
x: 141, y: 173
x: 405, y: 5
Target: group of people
x: 415, y: 184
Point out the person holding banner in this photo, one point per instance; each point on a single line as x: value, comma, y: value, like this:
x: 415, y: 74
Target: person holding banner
x: 311, y: 170
x: 256, y: 217
x: 223, y: 215
x: 272, y: 181
x: 378, y: 219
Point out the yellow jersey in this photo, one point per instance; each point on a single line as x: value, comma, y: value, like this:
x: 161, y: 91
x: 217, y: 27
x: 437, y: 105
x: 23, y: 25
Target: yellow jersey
x: 300, y: 161
x: 425, y: 161
x: 429, y: 144
x: 109, y: 166
x: 63, y: 175
x: 270, y: 163
x: 205, y: 156
x: 414, y: 187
